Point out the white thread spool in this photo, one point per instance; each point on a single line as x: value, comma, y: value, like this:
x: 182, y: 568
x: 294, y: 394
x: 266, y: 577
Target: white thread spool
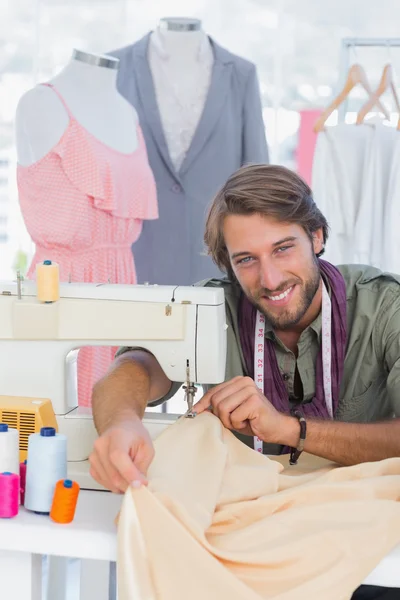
x: 47, y: 464
x: 47, y: 282
x: 9, y: 449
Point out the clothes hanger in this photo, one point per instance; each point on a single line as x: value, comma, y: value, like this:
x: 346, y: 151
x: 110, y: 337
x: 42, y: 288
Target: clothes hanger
x: 386, y: 83
x: 355, y: 76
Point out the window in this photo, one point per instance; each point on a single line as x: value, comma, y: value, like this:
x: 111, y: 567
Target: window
x: 295, y: 45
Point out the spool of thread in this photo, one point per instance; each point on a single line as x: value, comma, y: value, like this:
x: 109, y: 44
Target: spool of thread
x: 9, y: 449
x: 47, y: 464
x: 22, y: 477
x: 9, y: 495
x: 64, y: 501
x: 48, y: 281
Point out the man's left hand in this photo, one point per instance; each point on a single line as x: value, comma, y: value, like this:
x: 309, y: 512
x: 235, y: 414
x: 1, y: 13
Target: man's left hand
x: 241, y: 406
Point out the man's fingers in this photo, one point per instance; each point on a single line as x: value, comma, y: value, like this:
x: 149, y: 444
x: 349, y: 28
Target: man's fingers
x: 125, y: 467
x: 221, y: 391
x: 100, y: 474
x: 225, y: 407
x: 243, y: 388
x: 143, y: 459
x: 243, y: 415
x: 202, y: 404
x: 101, y: 479
x: 113, y: 464
x: 240, y: 389
x: 240, y: 405
x: 101, y: 462
x: 239, y: 420
x: 94, y: 473
x: 122, y: 455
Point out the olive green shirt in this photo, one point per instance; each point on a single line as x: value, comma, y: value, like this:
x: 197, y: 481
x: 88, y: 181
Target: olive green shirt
x: 370, y: 389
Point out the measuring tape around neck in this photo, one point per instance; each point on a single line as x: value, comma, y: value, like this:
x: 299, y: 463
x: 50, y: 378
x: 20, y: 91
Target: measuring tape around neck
x: 259, y: 356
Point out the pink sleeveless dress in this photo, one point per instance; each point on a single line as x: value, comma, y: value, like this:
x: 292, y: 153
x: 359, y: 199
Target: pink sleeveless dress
x: 83, y: 205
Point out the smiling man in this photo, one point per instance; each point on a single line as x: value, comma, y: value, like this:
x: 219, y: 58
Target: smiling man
x: 313, y: 353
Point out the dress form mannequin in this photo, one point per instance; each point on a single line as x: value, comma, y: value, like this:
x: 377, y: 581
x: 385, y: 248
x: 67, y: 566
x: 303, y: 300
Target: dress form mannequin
x: 181, y: 60
x: 180, y: 23
x: 182, y: 38
x: 84, y: 182
x: 200, y: 109
x: 88, y: 86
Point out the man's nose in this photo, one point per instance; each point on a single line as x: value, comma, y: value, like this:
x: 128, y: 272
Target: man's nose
x: 271, y: 276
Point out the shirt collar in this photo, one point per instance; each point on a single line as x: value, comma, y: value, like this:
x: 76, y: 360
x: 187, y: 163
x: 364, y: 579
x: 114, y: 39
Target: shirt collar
x: 315, y: 326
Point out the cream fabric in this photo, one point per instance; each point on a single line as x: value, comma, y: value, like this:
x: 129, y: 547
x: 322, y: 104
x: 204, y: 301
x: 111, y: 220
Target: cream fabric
x: 220, y: 521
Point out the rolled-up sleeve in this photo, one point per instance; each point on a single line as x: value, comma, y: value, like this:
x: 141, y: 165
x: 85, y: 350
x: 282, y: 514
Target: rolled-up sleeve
x: 388, y: 330
x: 175, y: 385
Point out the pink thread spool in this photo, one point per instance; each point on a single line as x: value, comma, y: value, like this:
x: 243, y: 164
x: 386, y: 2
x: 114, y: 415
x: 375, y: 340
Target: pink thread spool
x: 22, y: 475
x: 9, y: 495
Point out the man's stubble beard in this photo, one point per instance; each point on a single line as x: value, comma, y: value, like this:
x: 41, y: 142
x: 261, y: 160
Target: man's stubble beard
x: 289, y: 318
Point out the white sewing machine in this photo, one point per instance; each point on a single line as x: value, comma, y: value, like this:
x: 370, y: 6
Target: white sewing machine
x: 184, y: 327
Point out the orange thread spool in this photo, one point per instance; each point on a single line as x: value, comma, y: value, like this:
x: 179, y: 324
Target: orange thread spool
x: 64, y: 501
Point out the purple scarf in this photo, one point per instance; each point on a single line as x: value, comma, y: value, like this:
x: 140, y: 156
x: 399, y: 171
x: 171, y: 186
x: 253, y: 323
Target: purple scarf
x: 274, y: 386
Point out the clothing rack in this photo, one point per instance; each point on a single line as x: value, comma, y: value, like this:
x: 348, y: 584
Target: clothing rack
x: 351, y: 43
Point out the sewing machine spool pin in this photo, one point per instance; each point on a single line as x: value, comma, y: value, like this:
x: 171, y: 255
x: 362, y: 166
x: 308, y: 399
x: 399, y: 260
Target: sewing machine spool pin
x: 19, y: 285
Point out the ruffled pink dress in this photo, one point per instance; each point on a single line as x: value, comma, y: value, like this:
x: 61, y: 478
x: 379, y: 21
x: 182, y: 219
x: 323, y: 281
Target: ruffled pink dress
x: 83, y: 205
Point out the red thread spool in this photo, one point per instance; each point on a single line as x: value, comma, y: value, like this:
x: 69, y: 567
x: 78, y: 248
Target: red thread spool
x: 64, y: 501
x: 22, y: 475
x: 9, y: 495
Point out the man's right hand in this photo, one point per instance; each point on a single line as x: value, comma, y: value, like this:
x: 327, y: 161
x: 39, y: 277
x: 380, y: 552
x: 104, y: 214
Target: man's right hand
x: 122, y: 455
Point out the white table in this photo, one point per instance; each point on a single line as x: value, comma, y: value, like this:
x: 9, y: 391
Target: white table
x: 91, y: 537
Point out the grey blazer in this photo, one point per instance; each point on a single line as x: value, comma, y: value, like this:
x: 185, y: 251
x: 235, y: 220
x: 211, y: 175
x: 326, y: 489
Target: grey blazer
x: 230, y: 133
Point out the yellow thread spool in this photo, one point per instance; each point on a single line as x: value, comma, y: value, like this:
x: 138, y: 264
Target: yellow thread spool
x: 47, y: 280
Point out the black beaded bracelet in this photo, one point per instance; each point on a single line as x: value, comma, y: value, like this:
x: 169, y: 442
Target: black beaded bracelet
x: 295, y: 452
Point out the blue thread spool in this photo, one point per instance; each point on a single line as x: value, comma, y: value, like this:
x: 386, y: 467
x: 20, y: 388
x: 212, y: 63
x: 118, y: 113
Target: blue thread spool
x: 47, y: 464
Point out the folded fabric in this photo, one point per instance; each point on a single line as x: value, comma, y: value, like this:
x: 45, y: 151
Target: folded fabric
x: 219, y: 520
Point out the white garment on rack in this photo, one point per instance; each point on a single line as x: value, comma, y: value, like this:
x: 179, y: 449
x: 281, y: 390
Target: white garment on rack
x: 337, y: 176
x: 370, y: 226
x: 391, y: 237
x: 181, y: 93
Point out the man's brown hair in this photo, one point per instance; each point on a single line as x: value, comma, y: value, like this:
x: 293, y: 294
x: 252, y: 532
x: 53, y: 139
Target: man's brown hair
x: 267, y: 190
